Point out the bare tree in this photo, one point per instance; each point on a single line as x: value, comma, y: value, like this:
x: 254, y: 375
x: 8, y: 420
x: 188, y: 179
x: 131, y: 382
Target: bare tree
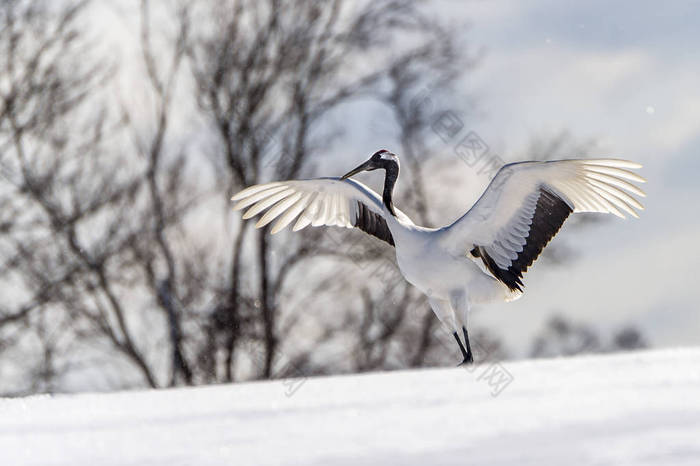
x: 163, y: 178
x: 101, y: 237
x: 563, y: 337
x: 266, y: 77
x: 58, y: 180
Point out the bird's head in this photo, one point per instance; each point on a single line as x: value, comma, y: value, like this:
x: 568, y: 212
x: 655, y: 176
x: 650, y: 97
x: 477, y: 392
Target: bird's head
x: 380, y: 159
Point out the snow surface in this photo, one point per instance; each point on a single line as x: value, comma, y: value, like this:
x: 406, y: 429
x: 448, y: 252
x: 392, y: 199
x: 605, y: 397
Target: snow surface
x: 636, y: 408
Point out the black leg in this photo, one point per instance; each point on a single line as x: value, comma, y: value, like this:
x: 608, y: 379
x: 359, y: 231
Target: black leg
x: 468, y: 358
x: 467, y: 354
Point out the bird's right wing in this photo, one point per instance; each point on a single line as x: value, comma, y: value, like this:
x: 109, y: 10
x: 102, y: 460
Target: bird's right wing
x: 316, y: 202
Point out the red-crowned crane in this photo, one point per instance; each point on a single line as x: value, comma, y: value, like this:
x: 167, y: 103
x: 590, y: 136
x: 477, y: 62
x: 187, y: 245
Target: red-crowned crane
x: 479, y: 258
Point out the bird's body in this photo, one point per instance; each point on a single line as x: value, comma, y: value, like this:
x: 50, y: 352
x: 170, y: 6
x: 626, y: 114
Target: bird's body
x: 481, y: 257
x: 436, y: 271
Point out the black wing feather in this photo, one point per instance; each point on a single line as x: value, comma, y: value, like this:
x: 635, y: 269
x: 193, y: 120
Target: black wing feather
x: 550, y: 213
x: 372, y: 223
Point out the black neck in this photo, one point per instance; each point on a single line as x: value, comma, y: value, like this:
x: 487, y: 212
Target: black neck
x: 392, y: 174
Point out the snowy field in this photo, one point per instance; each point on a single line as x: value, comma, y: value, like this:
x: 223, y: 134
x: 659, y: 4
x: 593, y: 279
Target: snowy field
x: 637, y: 408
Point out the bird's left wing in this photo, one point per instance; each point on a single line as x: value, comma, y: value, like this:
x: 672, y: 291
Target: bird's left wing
x: 316, y: 202
x: 526, y: 203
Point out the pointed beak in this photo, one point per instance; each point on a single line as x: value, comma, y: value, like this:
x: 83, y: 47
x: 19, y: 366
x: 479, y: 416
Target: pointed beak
x: 365, y: 166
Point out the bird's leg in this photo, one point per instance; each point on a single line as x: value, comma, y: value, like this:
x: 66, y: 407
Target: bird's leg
x: 468, y: 358
x: 466, y: 354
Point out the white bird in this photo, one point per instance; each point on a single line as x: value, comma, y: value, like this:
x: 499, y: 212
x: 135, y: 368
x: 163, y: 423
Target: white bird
x: 479, y: 258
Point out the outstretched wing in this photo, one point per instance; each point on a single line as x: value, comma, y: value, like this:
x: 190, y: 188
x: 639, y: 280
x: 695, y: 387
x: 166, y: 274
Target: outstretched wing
x: 316, y: 202
x: 526, y: 204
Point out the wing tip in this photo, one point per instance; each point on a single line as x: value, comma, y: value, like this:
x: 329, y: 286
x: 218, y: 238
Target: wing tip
x: 277, y: 228
x: 238, y: 205
x: 249, y: 214
x: 250, y: 190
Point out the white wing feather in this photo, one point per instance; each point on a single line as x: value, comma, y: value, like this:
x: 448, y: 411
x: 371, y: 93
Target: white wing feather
x: 316, y: 202
x: 501, y: 219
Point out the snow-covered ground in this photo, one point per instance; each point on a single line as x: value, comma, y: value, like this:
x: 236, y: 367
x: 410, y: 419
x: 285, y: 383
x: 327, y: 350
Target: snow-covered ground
x: 637, y: 408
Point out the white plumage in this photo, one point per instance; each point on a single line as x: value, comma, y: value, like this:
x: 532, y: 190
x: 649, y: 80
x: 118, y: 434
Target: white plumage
x: 323, y: 201
x: 501, y: 218
x: 479, y: 258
